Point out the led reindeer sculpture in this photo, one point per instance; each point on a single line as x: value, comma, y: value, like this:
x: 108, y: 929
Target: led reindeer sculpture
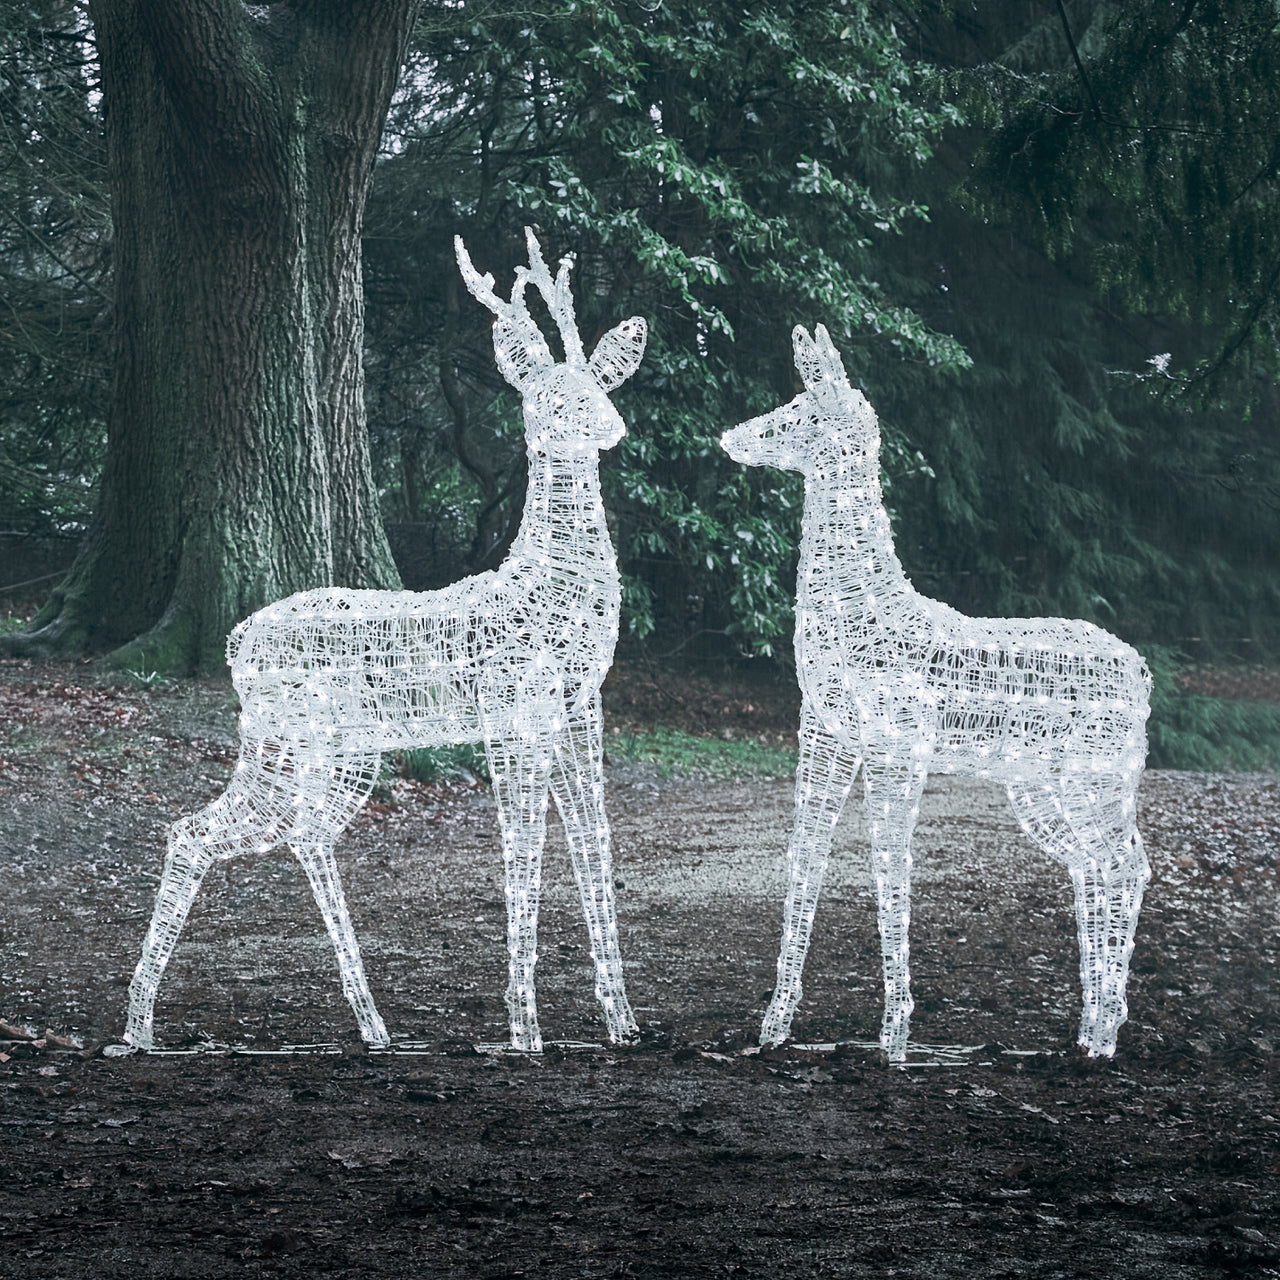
x: 329, y: 679
x: 902, y: 685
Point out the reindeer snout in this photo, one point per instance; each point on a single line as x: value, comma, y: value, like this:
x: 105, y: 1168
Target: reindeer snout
x: 754, y: 441
x: 730, y: 443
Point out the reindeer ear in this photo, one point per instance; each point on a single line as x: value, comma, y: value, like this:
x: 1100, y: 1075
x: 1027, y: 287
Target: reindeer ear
x: 808, y: 359
x: 832, y: 365
x: 617, y: 354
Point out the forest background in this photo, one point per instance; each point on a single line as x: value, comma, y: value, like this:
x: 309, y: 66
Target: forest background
x: 1045, y: 235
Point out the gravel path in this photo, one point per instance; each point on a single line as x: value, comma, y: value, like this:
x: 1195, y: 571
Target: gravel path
x: 1009, y: 1155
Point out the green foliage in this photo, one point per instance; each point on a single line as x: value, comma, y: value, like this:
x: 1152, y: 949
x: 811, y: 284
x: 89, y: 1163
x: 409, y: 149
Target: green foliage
x: 1065, y: 316
x: 54, y: 268
x: 1191, y: 731
x: 728, y: 173
x: 1069, y: 478
x: 435, y: 764
x: 1159, y: 161
x: 725, y: 172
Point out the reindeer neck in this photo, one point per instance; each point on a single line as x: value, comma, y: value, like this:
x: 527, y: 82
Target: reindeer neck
x: 846, y: 534
x: 564, y: 521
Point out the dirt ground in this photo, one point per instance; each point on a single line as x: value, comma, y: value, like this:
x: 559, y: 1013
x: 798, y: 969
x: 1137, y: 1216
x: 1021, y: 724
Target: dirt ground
x: 997, y: 1152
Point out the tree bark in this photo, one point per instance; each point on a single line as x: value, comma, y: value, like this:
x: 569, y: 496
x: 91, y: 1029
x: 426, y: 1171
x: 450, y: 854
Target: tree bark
x: 241, y: 141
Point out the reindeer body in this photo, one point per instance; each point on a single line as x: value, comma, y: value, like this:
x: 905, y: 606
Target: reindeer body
x: 416, y: 669
x: 903, y: 686
x: 514, y: 658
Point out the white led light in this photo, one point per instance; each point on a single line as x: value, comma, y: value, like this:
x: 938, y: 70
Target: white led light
x: 330, y: 679
x: 900, y: 685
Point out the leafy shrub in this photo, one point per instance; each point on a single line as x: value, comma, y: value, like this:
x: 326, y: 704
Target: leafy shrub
x: 1192, y: 731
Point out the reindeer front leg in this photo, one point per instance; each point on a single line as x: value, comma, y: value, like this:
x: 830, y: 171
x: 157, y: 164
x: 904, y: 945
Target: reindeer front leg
x: 824, y: 776
x: 330, y: 791
x: 577, y: 785
x: 520, y: 767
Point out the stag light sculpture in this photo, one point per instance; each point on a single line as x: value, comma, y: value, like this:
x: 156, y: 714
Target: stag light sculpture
x: 329, y: 679
x: 901, y: 685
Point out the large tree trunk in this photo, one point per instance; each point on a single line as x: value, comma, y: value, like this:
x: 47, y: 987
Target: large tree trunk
x: 241, y: 143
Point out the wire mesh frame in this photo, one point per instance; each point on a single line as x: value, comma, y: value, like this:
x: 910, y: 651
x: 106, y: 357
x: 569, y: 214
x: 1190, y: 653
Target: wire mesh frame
x: 329, y: 679
x: 900, y: 686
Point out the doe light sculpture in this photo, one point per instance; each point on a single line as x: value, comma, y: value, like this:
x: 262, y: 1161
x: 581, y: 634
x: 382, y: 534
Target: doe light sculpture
x: 901, y: 685
x: 330, y: 679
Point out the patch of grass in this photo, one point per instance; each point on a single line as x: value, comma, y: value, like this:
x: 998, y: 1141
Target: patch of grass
x: 1190, y: 731
x: 10, y: 623
x: 673, y: 752
x: 670, y: 752
x: 147, y: 679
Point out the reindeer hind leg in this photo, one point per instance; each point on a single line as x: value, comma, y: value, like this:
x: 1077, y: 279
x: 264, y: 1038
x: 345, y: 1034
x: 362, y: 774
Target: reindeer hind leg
x: 1128, y: 882
x: 184, y: 870
x: 1105, y: 817
x: 231, y: 824
x: 1087, y: 824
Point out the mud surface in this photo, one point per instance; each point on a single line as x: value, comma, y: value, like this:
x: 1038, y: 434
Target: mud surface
x: 1006, y: 1154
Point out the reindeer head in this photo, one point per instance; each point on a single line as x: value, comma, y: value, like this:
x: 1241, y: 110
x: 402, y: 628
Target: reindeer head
x: 828, y: 416
x: 566, y: 405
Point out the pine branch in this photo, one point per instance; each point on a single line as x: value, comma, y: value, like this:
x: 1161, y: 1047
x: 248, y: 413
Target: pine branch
x: 1075, y: 53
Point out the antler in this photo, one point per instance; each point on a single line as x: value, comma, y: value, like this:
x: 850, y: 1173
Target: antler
x: 555, y: 293
x: 518, y: 344
x: 481, y: 286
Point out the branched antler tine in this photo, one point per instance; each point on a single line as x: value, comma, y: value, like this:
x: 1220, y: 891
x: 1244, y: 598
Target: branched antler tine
x: 480, y: 286
x: 556, y: 294
x: 562, y: 297
x: 566, y: 317
x: 538, y: 272
x: 518, y: 304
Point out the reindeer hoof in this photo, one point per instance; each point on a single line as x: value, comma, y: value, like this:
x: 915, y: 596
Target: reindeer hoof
x: 1099, y: 1049
x: 525, y: 1041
